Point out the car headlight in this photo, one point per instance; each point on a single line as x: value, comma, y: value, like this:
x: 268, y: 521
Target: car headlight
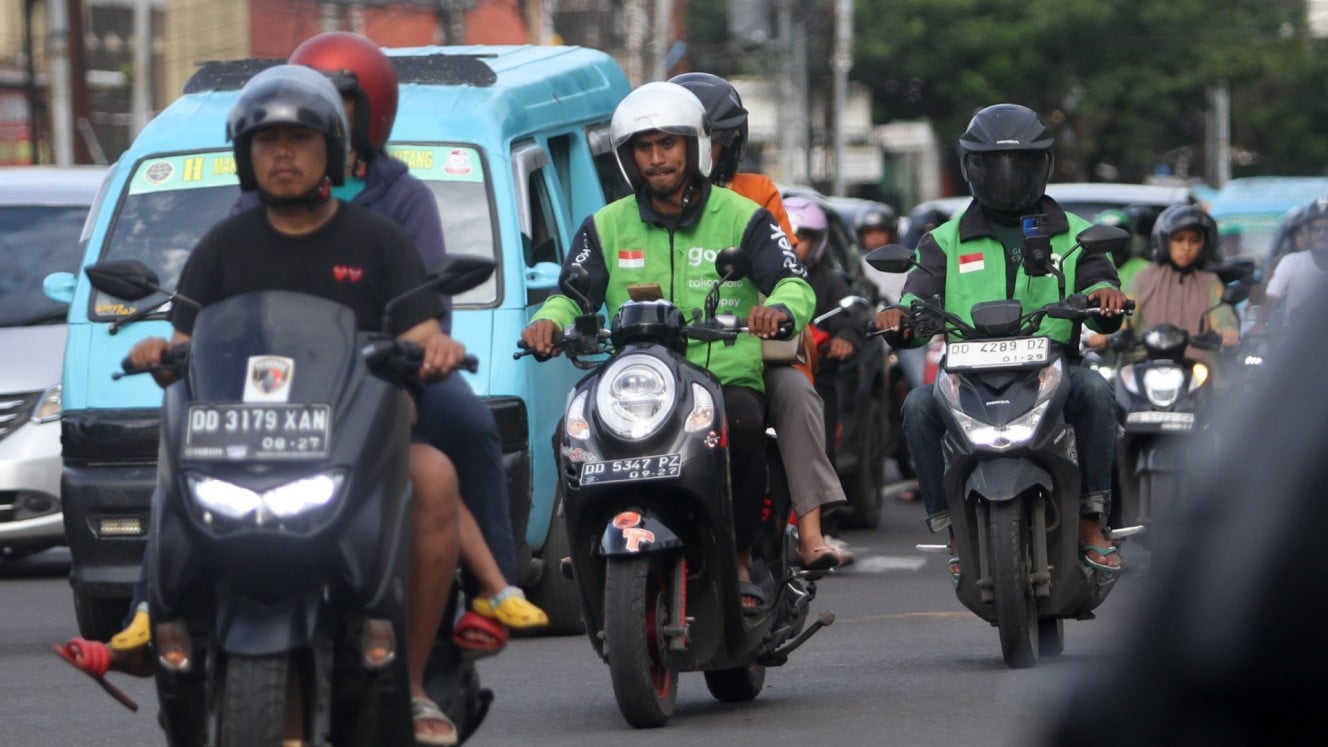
x: 635, y: 396
x: 48, y: 405
x: 282, y: 502
x: 1162, y: 385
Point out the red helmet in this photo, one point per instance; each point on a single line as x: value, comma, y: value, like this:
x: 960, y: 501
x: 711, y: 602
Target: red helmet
x: 361, y: 72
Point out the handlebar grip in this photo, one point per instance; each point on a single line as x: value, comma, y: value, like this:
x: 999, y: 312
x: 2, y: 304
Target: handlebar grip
x: 470, y: 363
x: 527, y: 350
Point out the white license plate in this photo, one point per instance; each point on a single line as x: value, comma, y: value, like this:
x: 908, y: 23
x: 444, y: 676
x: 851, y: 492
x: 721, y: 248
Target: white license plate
x: 1015, y: 352
x: 1167, y: 421
x: 644, y: 468
x: 258, y: 432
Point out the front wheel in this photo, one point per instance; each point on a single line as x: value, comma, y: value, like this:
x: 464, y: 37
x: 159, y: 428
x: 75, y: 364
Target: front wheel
x: 554, y: 593
x: 864, y: 488
x: 636, y: 600
x: 261, y: 703
x: 1016, y: 604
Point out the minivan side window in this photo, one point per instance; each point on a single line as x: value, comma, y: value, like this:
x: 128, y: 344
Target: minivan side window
x: 541, y: 241
x: 611, y: 178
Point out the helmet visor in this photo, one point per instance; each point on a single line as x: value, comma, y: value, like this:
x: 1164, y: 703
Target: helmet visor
x: 1007, y: 180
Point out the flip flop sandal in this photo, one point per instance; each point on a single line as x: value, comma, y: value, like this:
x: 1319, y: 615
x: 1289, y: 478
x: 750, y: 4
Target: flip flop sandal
x: 819, y: 558
x: 491, y: 638
x: 93, y: 659
x: 423, y: 709
x: 952, y: 564
x: 752, y: 591
x: 1084, y: 550
x: 511, y: 608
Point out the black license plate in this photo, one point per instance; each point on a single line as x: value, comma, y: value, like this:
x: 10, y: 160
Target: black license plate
x: 258, y: 432
x: 643, y: 468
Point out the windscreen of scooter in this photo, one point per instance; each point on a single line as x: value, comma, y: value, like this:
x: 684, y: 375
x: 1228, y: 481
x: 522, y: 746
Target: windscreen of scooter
x: 266, y: 371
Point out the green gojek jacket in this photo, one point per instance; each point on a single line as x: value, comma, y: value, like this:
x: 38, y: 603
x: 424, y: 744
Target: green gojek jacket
x: 627, y: 242
x: 967, y: 265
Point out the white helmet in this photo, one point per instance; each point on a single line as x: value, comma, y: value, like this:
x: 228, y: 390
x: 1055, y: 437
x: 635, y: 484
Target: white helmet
x: 660, y: 107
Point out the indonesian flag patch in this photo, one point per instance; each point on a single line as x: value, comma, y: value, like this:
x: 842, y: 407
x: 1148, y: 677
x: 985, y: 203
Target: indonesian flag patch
x: 632, y: 258
x: 970, y: 262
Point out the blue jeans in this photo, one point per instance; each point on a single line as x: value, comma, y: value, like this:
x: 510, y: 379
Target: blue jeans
x: 1090, y: 409
x: 460, y: 425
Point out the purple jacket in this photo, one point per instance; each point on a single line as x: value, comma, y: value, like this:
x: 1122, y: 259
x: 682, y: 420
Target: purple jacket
x: 391, y: 191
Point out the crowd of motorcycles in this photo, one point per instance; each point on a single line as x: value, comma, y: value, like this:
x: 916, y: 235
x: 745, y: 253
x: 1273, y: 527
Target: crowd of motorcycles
x: 313, y: 652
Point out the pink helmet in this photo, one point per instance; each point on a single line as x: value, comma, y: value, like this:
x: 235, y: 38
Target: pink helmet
x: 808, y: 218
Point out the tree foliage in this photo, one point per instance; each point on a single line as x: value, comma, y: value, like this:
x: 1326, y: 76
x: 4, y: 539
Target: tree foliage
x: 1124, y: 83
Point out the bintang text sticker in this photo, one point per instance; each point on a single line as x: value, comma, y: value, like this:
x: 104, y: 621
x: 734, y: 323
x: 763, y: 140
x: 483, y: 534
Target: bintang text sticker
x: 447, y: 163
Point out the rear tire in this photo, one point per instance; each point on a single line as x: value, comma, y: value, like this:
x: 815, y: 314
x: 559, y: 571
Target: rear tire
x: 864, y: 488
x: 254, y: 701
x: 736, y: 685
x: 1016, y: 604
x: 99, y: 618
x: 554, y: 593
x: 1051, y: 636
x: 645, y: 684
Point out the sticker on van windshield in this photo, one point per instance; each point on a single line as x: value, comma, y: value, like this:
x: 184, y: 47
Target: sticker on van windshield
x: 195, y: 171
x: 445, y: 163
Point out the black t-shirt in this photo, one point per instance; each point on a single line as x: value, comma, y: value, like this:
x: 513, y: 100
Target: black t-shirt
x: 358, y: 259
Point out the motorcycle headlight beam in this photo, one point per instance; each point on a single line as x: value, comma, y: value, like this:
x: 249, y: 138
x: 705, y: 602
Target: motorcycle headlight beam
x: 282, y: 502
x: 635, y: 396
x: 1162, y: 385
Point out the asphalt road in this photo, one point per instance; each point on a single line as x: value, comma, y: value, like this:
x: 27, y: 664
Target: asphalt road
x: 904, y: 664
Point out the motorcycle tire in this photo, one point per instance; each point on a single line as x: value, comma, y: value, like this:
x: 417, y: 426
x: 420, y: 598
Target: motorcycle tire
x: 1012, y: 588
x: 99, y: 618
x: 554, y: 593
x: 1051, y: 636
x: 254, y: 701
x: 863, y: 487
x: 736, y: 685
x: 645, y: 683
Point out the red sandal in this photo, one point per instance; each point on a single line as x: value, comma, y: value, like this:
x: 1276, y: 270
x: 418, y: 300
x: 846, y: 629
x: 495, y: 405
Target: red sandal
x: 93, y: 658
x: 479, y: 634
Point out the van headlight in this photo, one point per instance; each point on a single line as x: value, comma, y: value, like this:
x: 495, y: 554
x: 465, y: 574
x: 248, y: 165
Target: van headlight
x: 1015, y: 433
x: 282, y: 502
x: 635, y: 395
x: 48, y: 405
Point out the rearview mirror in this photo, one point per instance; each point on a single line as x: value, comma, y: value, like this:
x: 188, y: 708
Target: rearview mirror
x: 1100, y: 239
x: 892, y: 258
x: 126, y: 279
x: 573, y: 285
x: 458, y: 273
x: 733, y: 264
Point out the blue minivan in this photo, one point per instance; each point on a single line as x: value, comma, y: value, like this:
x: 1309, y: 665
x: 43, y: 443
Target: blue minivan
x: 514, y: 143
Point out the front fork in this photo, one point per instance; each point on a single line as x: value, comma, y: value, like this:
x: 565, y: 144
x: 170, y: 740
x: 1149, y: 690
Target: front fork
x: 1040, y: 573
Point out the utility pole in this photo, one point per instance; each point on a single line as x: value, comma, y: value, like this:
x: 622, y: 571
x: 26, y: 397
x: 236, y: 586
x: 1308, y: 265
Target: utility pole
x: 62, y: 118
x: 663, y: 32
x: 30, y: 72
x: 791, y: 46
x: 139, y: 101
x: 78, y: 83
x: 842, y: 63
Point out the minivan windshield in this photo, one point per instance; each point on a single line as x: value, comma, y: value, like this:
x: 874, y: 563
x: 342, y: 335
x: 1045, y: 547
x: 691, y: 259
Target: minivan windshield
x: 35, y: 241
x: 171, y: 201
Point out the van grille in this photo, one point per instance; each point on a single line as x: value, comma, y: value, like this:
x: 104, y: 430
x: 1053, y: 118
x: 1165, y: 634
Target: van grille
x: 15, y: 409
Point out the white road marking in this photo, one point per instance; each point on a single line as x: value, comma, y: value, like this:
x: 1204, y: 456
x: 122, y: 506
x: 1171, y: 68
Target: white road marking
x: 888, y: 563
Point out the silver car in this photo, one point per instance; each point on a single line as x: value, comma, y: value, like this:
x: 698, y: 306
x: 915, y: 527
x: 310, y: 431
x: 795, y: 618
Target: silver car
x: 42, y: 213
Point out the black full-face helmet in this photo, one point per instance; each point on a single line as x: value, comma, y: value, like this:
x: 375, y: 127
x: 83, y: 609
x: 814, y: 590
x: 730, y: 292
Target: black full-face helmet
x: 288, y: 95
x: 728, y: 119
x: 1006, y: 157
x: 1174, y: 219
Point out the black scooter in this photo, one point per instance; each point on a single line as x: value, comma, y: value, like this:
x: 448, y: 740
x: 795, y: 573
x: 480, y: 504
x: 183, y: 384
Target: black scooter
x: 1012, y: 478
x: 1164, y: 401
x: 279, y: 546
x: 643, y: 470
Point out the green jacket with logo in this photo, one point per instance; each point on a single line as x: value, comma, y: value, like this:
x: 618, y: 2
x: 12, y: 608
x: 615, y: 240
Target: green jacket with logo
x: 967, y: 265
x: 626, y: 242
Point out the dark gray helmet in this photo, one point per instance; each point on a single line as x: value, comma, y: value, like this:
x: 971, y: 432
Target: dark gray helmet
x: 288, y: 95
x: 1177, y: 217
x: 877, y: 216
x: 728, y: 119
x: 1006, y: 157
